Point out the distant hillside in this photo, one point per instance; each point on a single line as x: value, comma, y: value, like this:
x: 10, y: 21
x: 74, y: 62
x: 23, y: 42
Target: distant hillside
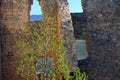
x: 35, y: 17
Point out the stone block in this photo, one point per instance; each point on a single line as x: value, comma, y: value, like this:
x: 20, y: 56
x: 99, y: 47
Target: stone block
x: 81, y: 49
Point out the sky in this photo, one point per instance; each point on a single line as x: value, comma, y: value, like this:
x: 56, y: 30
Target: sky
x: 74, y: 6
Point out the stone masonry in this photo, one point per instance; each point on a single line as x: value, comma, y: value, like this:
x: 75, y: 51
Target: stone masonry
x: 103, y: 26
x: 100, y: 21
x: 13, y: 15
x: 60, y: 12
x: 68, y: 34
x: 101, y: 29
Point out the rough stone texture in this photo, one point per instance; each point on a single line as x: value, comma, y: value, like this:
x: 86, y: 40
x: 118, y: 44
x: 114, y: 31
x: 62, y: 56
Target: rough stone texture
x: 101, y: 29
x: 81, y: 30
x: 79, y: 23
x: 60, y: 12
x: 100, y: 21
x: 103, y: 26
x: 81, y: 33
x: 51, y: 8
x: 68, y: 33
x: 13, y: 15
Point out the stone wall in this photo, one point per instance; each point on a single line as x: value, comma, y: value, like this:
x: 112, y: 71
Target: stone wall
x: 81, y: 30
x: 100, y: 26
x: 67, y: 33
x: 100, y: 21
x: 59, y: 10
x: 13, y: 15
x: 103, y: 26
x: 79, y: 23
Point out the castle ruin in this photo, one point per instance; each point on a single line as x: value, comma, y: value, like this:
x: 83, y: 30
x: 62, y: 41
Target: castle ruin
x: 100, y: 28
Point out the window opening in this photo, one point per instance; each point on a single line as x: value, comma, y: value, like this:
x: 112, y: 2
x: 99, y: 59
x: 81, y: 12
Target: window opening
x: 35, y: 13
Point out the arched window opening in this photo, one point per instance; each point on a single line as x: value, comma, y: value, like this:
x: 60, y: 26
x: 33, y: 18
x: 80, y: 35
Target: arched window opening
x: 35, y: 13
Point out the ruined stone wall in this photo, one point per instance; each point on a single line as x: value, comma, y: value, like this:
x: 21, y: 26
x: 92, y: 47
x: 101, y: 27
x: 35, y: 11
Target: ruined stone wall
x: 81, y: 30
x: 13, y: 15
x: 67, y: 33
x: 59, y: 10
x: 103, y: 28
x: 79, y: 23
x: 51, y: 8
x: 103, y: 24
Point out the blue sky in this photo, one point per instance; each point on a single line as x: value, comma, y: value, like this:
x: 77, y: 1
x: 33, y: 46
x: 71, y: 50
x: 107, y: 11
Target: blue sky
x: 74, y: 6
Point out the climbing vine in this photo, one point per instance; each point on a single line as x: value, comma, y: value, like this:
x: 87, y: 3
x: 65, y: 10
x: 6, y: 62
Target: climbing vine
x: 43, y: 53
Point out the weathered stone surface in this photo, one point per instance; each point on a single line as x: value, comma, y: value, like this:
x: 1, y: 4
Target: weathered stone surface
x: 101, y: 24
x: 103, y: 21
x: 79, y: 23
x: 101, y: 29
x: 59, y: 10
x: 67, y: 33
x: 51, y: 8
x: 13, y: 15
